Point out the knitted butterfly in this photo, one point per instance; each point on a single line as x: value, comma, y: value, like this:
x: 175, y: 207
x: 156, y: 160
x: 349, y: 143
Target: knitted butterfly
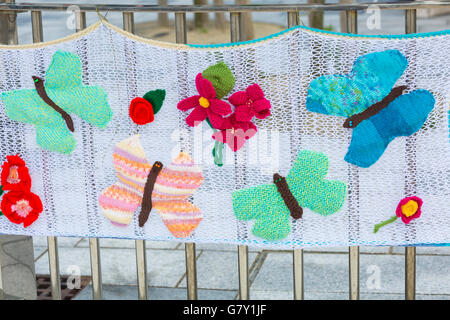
x: 377, y: 112
x: 272, y: 204
x: 48, y: 106
x: 164, y: 188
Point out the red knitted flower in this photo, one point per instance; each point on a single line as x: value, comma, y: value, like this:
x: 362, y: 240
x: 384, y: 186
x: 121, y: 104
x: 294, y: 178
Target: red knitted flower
x: 250, y: 103
x: 141, y: 111
x: 235, y: 133
x: 205, y: 105
x: 409, y: 208
x: 19, y: 206
x: 15, y: 175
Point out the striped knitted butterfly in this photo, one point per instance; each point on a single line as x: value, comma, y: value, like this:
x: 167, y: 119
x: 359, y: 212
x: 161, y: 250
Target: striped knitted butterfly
x: 48, y: 106
x: 152, y: 186
x: 377, y: 111
x: 272, y: 204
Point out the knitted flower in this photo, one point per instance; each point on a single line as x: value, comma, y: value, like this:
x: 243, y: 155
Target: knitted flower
x: 15, y: 174
x: 250, y: 103
x: 235, y: 133
x: 21, y: 207
x: 409, y: 208
x: 141, y: 111
x: 205, y: 105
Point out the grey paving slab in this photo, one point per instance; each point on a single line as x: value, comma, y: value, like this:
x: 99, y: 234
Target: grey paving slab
x: 114, y: 292
x: 432, y: 274
x: 130, y: 244
x: 165, y: 267
x: 17, y: 274
x: 289, y: 295
x: 218, y: 270
x: 322, y: 272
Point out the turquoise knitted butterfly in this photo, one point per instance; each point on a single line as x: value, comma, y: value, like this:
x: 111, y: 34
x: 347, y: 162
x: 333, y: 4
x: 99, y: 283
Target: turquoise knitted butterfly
x: 48, y: 106
x: 377, y: 112
x: 271, y: 205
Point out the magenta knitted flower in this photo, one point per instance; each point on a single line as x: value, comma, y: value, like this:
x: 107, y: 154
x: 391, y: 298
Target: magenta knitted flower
x: 205, y: 105
x: 235, y: 133
x: 409, y: 208
x: 250, y: 103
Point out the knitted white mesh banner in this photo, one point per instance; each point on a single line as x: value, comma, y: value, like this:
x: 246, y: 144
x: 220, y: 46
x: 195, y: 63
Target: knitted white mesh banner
x: 285, y: 65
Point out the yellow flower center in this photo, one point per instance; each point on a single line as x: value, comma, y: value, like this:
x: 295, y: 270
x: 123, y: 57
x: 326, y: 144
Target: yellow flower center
x: 409, y: 208
x: 203, y: 102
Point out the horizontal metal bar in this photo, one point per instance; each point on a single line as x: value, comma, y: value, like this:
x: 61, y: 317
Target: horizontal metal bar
x: 225, y: 8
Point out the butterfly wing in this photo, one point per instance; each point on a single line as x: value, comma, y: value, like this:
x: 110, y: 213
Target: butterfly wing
x: 120, y: 201
x: 274, y: 225
x: 310, y: 189
x: 372, y: 77
x: 264, y: 204
x: 180, y: 216
x: 402, y: 117
x: 174, y: 184
x: 63, y: 84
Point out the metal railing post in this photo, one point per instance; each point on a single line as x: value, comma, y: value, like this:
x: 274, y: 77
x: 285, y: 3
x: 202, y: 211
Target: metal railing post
x: 128, y: 21
x: 141, y: 252
x: 94, y: 243
x: 410, y: 252
x: 297, y: 254
x: 352, y: 27
x: 141, y: 265
x: 10, y: 26
x: 293, y: 18
x: 235, y: 33
x: 299, y: 291
x: 96, y: 270
x: 189, y: 248
x: 53, y: 261
x: 52, y: 242
x: 80, y: 19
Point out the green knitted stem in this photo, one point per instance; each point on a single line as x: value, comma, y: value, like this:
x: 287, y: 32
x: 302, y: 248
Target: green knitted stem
x: 156, y: 98
x: 382, y: 224
x: 221, y: 78
x: 217, y: 153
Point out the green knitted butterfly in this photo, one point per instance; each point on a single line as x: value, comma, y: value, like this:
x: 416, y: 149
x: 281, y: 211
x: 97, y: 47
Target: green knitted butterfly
x: 272, y: 204
x: 48, y: 106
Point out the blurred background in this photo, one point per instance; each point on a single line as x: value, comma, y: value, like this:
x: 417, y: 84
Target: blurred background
x: 214, y: 28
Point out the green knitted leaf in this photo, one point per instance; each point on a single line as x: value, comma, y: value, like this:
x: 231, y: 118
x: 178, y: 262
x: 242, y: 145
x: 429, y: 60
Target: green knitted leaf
x: 156, y: 98
x: 221, y: 78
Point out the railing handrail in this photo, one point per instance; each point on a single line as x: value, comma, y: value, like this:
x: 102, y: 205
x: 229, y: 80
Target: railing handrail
x: 224, y: 8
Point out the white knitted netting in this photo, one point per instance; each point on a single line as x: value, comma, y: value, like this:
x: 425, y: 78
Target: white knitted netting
x: 284, y: 66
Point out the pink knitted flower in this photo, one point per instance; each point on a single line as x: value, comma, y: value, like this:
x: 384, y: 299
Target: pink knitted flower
x: 250, y: 103
x: 205, y: 105
x: 409, y: 208
x: 235, y: 133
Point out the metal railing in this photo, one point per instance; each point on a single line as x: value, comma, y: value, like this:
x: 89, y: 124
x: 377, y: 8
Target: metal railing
x: 180, y: 12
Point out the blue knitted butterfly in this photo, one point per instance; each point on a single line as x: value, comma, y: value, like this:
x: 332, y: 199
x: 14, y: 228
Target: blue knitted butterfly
x: 49, y: 104
x: 377, y: 112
